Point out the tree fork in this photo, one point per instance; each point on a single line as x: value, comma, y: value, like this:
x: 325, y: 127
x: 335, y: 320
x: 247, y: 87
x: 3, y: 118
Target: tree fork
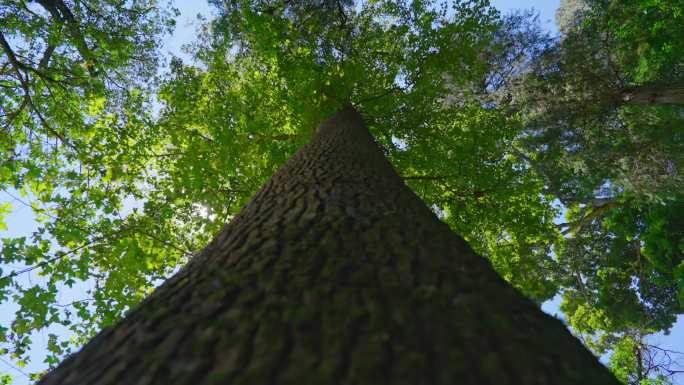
x: 335, y: 273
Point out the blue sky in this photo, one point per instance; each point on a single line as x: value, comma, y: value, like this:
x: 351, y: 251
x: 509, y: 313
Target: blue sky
x: 22, y: 222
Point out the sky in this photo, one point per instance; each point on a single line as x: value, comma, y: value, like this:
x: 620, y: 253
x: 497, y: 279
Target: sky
x: 22, y: 222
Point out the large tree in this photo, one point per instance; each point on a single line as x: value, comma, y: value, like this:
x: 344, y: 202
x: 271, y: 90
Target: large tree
x: 434, y: 82
x: 335, y: 272
x: 156, y: 191
x: 602, y: 110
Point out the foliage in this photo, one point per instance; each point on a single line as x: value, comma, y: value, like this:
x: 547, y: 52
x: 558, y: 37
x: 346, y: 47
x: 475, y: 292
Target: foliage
x: 152, y: 192
x: 604, y: 126
x: 635, y: 362
x: 277, y: 72
x: 74, y: 95
x: 585, y: 103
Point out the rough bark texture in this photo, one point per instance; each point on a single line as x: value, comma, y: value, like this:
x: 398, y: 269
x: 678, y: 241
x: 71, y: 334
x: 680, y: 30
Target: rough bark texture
x: 335, y: 273
x: 654, y: 95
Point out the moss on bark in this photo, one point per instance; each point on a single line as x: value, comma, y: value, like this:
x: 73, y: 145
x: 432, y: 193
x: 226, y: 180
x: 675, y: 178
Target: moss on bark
x: 335, y: 273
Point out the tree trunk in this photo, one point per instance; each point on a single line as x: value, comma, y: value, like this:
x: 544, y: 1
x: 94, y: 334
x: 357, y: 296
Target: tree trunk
x: 654, y: 95
x: 335, y: 273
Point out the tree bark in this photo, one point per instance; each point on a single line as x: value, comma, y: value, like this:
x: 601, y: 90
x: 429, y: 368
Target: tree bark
x: 658, y: 95
x: 335, y: 273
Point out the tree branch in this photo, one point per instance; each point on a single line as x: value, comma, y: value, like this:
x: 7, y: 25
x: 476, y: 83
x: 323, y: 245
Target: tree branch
x: 45, y: 60
x: 60, y: 11
x: 429, y: 177
x: 27, y: 90
x: 50, y: 260
x: 597, y: 212
x: 653, y: 95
